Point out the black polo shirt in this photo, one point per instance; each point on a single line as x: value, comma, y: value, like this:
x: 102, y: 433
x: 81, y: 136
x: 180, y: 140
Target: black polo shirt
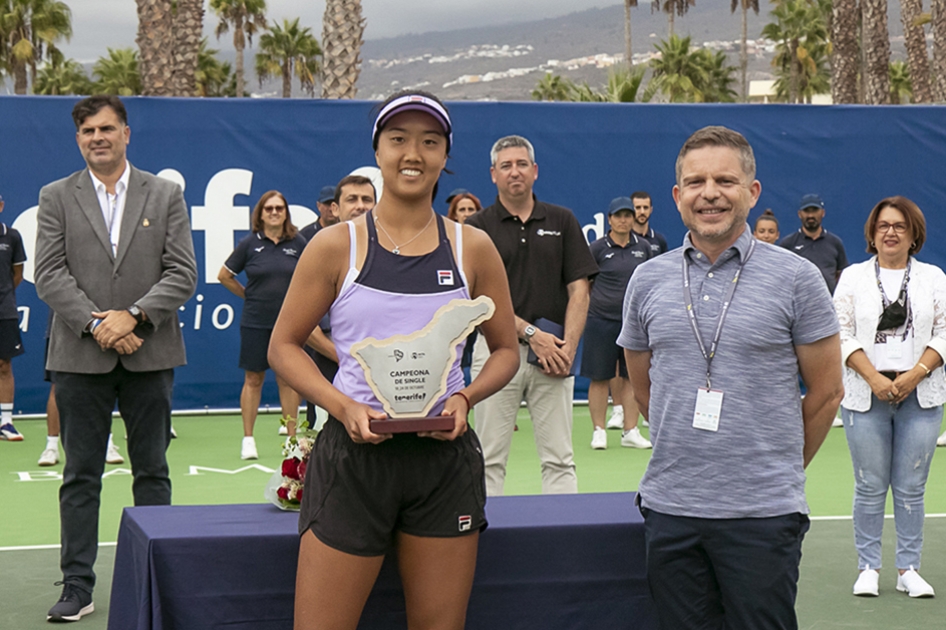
x: 826, y: 252
x: 269, y: 268
x: 11, y: 253
x: 541, y: 256
x: 658, y: 244
x: 310, y: 230
x: 615, y: 264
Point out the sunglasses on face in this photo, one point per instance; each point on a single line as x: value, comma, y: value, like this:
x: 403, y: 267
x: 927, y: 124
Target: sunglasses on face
x: 274, y: 209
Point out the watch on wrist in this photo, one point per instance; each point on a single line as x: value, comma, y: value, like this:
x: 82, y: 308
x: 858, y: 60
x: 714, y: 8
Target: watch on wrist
x: 137, y: 313
x: 528, y: 332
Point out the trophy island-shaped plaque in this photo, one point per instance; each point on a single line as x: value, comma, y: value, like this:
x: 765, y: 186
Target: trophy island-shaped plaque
x: 408, y: 373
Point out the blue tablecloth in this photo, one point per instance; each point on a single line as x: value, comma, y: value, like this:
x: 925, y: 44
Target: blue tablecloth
x: 549, y: 562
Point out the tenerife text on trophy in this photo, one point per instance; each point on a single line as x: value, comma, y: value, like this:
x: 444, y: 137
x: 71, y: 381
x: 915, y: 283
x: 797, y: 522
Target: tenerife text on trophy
x: 408, y: 373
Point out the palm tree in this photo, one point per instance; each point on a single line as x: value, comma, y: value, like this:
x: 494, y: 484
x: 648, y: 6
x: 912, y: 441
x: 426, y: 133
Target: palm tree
x: 717, y: 77
x: 876, y: 41
x: 342, y: 30
x: 915, y: 40
x: 624, y: 84
x: 628, y: 52
x: 155, y: 48
x: 212, y: 76
x: 844, y: 51
x: 247, y: 17
x: 286, y: 50
x: 671, y: 8
x: 901, y: 87
x: 118, y: 72
x: 801, y: 32
x: 938, y: 15
x: 31, y: 29
x: 746, y: 6
x: 188, y: 35
x: 553, y: 87
x: 679, y: 73
x: 62, y: 76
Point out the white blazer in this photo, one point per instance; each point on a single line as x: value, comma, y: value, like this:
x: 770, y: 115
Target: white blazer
x: 859, y: 305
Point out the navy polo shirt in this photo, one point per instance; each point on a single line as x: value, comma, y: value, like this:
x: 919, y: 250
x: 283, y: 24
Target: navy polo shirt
x: 615, y: 265
x: 11, y: 253
x: 658, y: 244
x: 310, y: 230
x: 542, y: 256
x: 268, y: 268
x: 826, y: 252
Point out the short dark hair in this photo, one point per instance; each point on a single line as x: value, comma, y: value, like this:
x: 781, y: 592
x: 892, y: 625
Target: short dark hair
x: 256, y: 219
x: 354, y: 180
x: 718, y: 136
x: 641, y: 194
x: 915, y: 221
x: 94, y: 104
x: 768, y: 215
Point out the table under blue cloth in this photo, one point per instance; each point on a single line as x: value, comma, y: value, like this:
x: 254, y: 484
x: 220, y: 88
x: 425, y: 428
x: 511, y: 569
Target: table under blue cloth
x: 548, y: 562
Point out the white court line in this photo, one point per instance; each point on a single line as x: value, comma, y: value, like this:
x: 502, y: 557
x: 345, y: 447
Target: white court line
x: 111, y: 544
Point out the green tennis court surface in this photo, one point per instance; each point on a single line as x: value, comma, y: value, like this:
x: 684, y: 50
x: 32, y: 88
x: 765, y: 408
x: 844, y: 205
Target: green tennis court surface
x: 206, y: 469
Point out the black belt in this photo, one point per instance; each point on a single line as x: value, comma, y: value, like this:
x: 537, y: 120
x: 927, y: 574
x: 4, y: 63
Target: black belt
x: 891, y: 375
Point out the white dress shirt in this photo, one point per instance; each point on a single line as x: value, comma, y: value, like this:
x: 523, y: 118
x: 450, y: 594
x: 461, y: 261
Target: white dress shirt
x: 113, y: 206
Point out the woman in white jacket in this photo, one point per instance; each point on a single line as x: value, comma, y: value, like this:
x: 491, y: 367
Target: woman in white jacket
x: 892, y: 311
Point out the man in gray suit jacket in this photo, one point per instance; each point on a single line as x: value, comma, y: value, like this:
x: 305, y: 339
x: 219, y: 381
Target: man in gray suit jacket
x: 114, y: 261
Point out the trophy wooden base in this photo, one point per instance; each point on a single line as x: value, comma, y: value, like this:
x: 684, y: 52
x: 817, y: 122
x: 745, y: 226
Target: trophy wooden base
x: 412, y: 425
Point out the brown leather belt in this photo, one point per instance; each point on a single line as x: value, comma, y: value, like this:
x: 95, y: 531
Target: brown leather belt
x: 891, y: 375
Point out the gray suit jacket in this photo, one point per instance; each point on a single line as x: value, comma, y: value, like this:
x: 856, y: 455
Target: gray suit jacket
x: 76, y: 272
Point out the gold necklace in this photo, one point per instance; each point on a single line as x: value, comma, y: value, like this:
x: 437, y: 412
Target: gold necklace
x: 397, y: 248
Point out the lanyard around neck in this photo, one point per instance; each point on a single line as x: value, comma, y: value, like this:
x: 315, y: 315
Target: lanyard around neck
x: 691, y: 314
x: 902, y: 295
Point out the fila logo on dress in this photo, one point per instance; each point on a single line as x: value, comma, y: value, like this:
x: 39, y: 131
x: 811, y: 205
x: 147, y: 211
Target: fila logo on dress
x: 445, y: 277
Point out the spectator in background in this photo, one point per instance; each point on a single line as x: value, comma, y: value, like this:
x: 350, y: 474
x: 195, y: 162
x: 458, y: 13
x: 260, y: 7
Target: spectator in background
x: 813, y: 242
x: 643, y: 208
x: 12, y: 257
x: 463, y: 206
x: 268, y: 255
x: 892, y: 310
x: 453, y: 194
x: 766, y: 227
x: 618, y: 254
x: 326, y: 218
x: 548, y: 265
x: 723, y: 497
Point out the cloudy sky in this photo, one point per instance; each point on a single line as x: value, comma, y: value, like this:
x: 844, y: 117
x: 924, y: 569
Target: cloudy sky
x: 100, y: 24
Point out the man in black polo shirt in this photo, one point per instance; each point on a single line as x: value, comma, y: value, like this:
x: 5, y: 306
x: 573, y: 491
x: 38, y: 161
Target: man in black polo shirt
x: 12, y: 257
x: 326, y: 218
x: 815, y: 243
x: 643, y: 207
x: 549, y: 266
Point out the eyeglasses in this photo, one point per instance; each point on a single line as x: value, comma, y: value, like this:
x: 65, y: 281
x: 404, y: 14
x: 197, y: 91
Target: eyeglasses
x: 898, y: 228
x: 274, y: 209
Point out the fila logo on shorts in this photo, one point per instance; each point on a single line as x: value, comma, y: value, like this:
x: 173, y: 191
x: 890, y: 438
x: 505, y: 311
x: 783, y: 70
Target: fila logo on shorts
x: 445, y: 277
x: 465, y: 522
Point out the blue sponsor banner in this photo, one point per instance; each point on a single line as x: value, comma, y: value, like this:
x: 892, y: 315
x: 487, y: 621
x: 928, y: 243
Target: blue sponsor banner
x: 227, y: 152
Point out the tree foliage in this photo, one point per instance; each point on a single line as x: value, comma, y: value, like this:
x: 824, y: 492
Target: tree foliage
x: 685, y: 75
x: 29, y: 32
x: 117, y: 73
x: 286, y: 50
x: 622, y: 87
x: 246, y: 18
x: 800, y: 30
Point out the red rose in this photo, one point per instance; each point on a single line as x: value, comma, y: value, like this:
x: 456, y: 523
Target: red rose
x: 290, y: 468
x: 283, y: 493
x: 301, y: 469
x: 299, y: 494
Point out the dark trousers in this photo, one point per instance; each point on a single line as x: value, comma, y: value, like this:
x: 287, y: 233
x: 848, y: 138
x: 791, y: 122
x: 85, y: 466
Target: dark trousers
x: 86, y: 402
x: 730, y: 574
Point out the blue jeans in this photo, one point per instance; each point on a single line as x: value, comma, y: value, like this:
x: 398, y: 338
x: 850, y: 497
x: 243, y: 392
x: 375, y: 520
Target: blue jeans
x: 892, y: 446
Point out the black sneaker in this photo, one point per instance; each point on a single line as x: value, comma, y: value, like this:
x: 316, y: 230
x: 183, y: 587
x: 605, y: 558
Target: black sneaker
x: 73, y: 605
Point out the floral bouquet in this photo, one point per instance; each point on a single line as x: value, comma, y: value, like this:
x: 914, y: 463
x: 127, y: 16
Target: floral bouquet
x: 285, y: 487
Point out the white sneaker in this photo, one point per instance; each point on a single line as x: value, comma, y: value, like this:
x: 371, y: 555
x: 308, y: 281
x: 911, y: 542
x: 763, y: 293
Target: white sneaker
x: 248, y: 451
x: 112, y: 456
x: 616, y: 421
x: 838, y: 422
x: 599, y: 439
x: 941, y: 440
x: 644, y: 423
x: 913, y: 585
x: 173, y: 433
x: 632, y: 438
x: 867, y: 583
x: 50, y: 457
x: 283, y: 429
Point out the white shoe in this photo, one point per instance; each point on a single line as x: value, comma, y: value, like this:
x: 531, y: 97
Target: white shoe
x: 50, y: 457
x: 913, y: 585
x: 248, y: 451
x: 632, y: 438
x: 616, y: 421
x: 941, y: 440
x: 599, y: 439
x: 838, y: 422
x: 112, y: 456
x: 173, y: 433
x: 644, y: 423
x: 867, y: 583
x: 283, y: 429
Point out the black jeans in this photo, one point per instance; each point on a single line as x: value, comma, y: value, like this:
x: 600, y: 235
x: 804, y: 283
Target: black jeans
x: 86, y: 402
x: 727, y: 574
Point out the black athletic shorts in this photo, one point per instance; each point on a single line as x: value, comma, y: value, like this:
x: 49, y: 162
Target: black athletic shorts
x: 601, y: 357
x: 11, y: 345
x: 357, y: 496
x: 254, y: 344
